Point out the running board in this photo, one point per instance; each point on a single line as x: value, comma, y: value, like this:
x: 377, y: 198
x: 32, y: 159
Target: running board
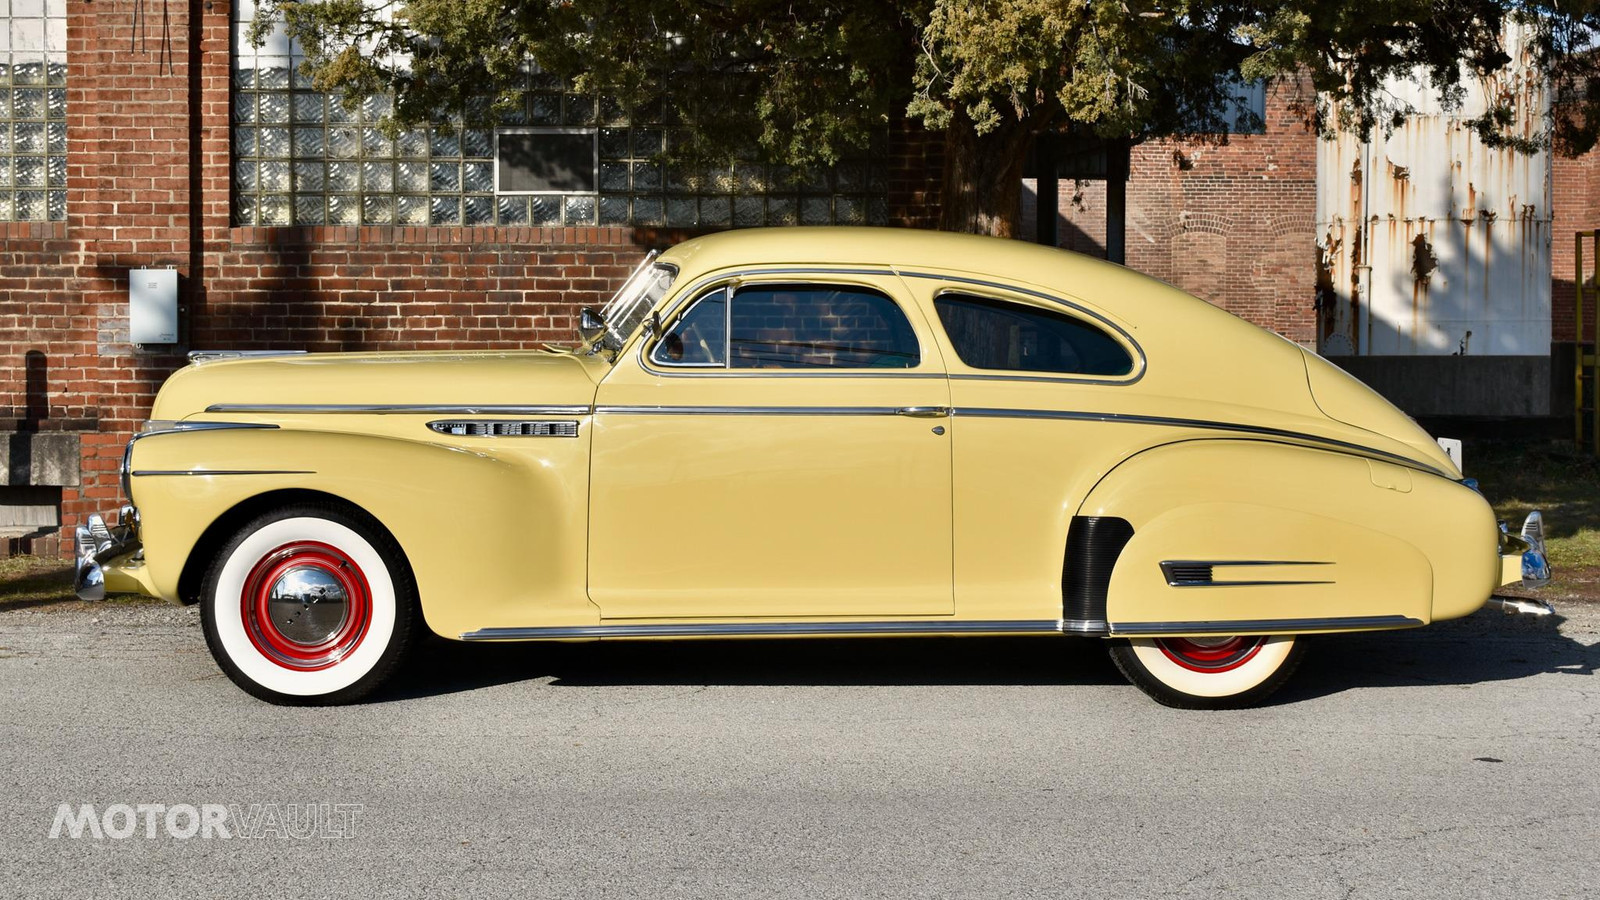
x: 764, y: 629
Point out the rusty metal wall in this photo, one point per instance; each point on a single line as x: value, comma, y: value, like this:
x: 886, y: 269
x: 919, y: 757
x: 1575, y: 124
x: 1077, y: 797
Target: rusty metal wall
x: 1431, y: 243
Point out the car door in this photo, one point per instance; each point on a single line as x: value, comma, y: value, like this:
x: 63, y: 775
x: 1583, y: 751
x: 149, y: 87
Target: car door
x: 782, y: 449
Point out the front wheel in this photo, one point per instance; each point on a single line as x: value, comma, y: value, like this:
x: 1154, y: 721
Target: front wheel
x: 309, y: 605
x: 1224, y: 672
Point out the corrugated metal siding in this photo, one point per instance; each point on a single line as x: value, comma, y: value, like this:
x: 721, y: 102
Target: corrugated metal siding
x: 1431, y: 243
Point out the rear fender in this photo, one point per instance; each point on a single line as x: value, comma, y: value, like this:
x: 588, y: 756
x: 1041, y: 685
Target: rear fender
x: 1304, y: 539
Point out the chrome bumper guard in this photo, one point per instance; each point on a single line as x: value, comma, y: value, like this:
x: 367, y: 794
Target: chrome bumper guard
x: 1529, y: 544
x: 96, y: 543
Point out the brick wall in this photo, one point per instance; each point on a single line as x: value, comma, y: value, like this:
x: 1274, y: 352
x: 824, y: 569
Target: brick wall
x: 1232, y: 223
x: 148, y: 169
x: 148, y: 165
x: 1575, y: 193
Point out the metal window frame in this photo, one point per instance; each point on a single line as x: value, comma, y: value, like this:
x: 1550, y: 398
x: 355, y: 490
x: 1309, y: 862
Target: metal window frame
x: 593, y: 131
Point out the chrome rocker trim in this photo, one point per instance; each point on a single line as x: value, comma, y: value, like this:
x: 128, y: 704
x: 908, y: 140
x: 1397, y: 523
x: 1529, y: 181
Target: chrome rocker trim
x: 753, y: 629
x: 1264, y: 626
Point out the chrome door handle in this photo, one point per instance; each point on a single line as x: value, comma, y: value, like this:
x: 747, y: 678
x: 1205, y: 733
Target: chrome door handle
x: 923, y: 412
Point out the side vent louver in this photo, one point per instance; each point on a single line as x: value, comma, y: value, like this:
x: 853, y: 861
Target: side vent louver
x: 493, y: 428
x: 1093, y: 545
x: 1185, y: 574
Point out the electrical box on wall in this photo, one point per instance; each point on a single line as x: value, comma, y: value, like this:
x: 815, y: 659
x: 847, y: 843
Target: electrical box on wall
x: 153, y: 306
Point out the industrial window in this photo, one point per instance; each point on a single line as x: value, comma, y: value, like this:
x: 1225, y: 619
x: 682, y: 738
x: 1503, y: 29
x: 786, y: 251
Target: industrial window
x: 993, y: 334
x: 33, y: 110
x: 546, y: 161
x: 300, y: 158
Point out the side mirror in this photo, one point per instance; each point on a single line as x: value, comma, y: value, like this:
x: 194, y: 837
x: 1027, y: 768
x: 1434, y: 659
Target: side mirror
x: 590, y: 325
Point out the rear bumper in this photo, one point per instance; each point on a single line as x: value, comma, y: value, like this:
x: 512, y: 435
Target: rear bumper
x: 1522, y: 555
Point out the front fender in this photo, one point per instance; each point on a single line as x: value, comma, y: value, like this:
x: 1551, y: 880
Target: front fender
x: 1312, y: 536
x: 488, y: 531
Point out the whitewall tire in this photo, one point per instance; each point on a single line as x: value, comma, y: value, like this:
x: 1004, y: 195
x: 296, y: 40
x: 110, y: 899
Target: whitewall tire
x: 1222, y: 672
x: 309, y: 604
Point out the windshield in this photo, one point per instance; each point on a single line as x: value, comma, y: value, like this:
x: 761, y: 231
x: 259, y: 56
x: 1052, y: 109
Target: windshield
x: 634, y: 300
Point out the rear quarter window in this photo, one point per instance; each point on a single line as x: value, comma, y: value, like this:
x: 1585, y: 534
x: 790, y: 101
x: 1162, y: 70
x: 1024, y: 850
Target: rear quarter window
x: 1014, y: 337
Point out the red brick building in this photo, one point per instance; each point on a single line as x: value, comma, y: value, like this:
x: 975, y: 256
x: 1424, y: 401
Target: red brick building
x: 152, y: 146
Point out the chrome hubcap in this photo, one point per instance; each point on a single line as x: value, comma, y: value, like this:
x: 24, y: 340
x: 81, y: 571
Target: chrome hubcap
x: 307, y: 605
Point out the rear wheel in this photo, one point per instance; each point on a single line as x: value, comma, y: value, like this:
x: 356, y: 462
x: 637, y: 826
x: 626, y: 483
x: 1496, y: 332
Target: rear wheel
x: 1222, y: 672
x: 309, y: 605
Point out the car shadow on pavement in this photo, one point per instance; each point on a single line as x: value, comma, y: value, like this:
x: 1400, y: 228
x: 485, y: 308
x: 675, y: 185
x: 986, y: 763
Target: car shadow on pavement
x: 1482, y: 648
x: 448, y: 667
x: 1488, y: 646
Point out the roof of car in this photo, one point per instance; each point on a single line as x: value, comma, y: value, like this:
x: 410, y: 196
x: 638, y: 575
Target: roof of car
x: 903, y: 248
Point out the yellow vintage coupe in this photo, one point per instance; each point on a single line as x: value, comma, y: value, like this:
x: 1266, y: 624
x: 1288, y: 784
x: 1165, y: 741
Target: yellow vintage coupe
x: 808, y: 432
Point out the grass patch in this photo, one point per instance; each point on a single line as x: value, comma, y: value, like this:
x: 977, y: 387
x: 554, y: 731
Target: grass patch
x: 31, y: 581
x: 1518, y: 477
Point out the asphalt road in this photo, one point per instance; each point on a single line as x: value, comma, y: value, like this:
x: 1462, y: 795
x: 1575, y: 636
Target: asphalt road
x: 1456, y: 761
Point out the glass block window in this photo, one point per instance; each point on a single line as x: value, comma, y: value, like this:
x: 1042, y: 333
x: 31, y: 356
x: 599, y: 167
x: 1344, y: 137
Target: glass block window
x: 300, y: 158
x: 33, y: 110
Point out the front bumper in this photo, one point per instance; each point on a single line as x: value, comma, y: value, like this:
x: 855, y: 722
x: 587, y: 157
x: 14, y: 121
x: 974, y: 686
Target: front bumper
x: 113, y: 550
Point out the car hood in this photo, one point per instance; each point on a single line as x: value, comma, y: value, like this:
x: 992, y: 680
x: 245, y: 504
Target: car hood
x: 460, y: 379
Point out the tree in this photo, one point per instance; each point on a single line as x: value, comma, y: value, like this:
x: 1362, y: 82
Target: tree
x: 802, y: 84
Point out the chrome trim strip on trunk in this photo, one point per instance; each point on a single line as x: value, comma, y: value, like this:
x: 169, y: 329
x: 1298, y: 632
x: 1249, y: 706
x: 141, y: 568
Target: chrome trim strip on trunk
x: 1208, y: 424
x: 779, y: 629
x: 1263, y: 626
x: 462, y: 409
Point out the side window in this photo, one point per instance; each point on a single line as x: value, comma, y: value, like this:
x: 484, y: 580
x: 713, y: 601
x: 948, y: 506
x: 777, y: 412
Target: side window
x: 699, y: 337
x: 994, y: 334
x: 815, y: 326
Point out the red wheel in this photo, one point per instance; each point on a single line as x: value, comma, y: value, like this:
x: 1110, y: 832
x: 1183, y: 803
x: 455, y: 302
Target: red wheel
x: 1222, y: 672
x: 306, y: 605
x: 1219, y: 654
x: 309, y: 604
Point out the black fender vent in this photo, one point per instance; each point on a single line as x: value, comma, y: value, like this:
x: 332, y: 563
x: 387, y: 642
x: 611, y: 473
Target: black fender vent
x: 1093, y: 545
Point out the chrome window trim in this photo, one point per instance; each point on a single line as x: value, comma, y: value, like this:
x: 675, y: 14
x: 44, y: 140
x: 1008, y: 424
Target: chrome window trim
x: 1263, y: 626
x: 727, y: 321
x: 793, y: 629
x: 693, y: 291
x: 458, y: 409
x: 1123, y: 339
x: 1207, y: 424
x: 1143, y: 362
